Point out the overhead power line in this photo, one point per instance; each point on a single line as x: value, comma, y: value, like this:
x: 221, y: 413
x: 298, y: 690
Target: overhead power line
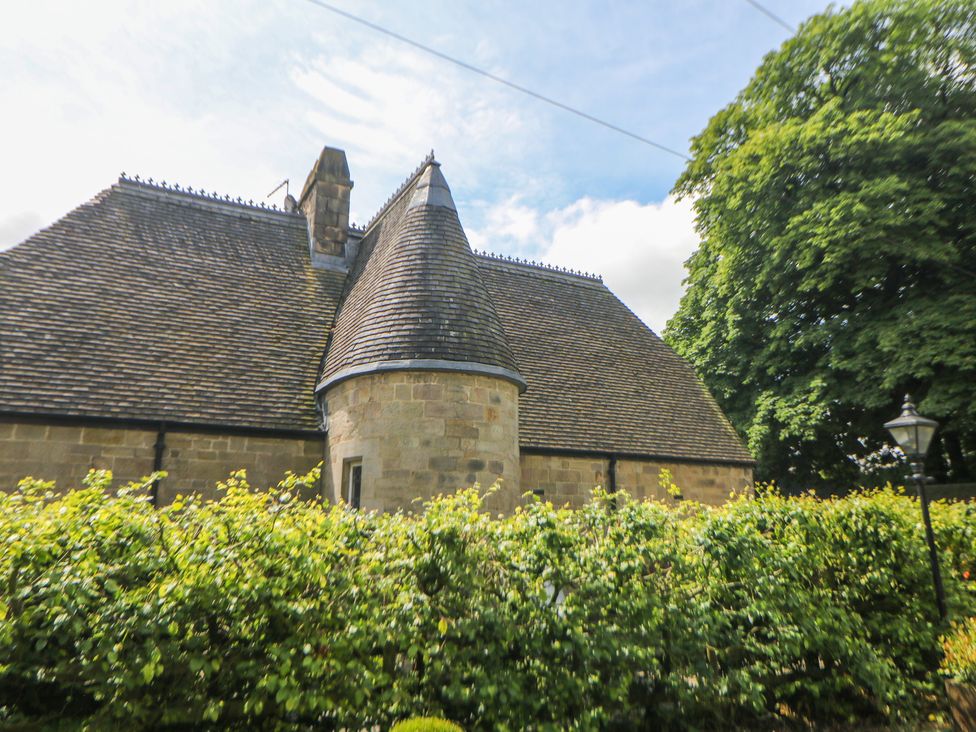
x: 770, y: 14
x: 498, y: 79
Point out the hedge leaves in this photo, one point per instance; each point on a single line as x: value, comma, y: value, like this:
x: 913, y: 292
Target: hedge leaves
x: 262, y: 611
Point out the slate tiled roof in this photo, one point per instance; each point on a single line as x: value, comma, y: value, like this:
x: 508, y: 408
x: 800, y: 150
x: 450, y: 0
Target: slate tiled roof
x: 156, y: 305
x: 599, y: 379
x: 151, y: 304
x: 417, y: 291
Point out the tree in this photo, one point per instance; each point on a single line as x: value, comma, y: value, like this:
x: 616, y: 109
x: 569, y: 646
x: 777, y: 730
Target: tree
x: 836, y: 203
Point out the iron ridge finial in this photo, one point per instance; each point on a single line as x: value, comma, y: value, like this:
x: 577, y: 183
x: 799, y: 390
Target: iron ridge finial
x: 200, y: 193
x: 537, y: 264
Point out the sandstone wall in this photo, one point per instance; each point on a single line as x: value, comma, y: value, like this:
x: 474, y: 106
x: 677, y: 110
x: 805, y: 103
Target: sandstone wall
x: 194, y: 461
x: 563, y: 479
x: 65, y: 453
x: 423, y: 433
x: 570, y: 479
x: 418, y: 434
x: 704, y: 482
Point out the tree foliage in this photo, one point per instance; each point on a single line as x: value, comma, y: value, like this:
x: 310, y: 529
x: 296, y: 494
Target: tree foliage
x: 959, y: 646
x: 836, y: 201
x: 261, y: 611
x: 425, y: 724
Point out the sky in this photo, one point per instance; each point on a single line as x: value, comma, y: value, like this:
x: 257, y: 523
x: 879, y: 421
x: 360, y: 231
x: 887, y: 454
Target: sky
x: 238, y: 96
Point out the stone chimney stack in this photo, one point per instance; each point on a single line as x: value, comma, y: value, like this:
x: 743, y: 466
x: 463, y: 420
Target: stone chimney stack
x: 325, y: 203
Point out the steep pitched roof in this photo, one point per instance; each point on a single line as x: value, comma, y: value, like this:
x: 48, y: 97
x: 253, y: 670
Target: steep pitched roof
x: 416, y: 292
x: 151, y: 304
x: 158, y: 305
x: 599, y: 379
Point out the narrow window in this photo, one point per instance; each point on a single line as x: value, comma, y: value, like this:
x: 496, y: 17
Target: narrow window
x: 354, y: 483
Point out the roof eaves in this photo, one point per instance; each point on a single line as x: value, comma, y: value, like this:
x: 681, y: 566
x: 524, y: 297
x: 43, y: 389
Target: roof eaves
x: 423, y: 364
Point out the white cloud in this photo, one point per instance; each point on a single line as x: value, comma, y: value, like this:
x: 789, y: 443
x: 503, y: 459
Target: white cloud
x: 639, y: 249
x: 387, y: 106
x: 14, y: 229
x: 511, y: 221
x: 110, y: 87
x: 235, y: 99
x: 230, y: 99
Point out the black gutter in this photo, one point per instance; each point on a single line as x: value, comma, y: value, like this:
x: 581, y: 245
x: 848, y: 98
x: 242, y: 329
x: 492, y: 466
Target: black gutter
x: 612, y: 480
x: 325, y: 469
x: 160, y: 447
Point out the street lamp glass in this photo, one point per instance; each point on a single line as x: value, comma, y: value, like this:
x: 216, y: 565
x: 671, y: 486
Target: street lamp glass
x: 911, y: 431
x: 905, y: 437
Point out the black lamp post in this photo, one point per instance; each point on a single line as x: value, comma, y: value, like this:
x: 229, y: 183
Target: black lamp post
x: 913, y: 433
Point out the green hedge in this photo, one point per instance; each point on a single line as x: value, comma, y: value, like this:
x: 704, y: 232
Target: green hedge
x: 959, y: 646
x: 262, y: 611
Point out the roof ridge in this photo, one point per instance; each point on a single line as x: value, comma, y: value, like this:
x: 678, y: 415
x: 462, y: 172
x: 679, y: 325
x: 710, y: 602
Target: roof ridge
x: 508, y: 259
x: 201, y: 194
x: 401, y: 190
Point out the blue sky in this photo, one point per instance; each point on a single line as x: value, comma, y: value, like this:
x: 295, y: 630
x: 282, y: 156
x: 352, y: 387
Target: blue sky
x: 236, y: 96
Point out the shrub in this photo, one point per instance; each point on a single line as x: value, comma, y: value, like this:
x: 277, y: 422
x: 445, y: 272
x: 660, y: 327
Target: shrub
x: 425, y: 724
x: 259, y: 610
x: 959, y: 662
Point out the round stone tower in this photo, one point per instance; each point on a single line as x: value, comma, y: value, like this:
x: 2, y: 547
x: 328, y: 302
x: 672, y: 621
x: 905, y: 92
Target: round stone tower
x: 420, y: 388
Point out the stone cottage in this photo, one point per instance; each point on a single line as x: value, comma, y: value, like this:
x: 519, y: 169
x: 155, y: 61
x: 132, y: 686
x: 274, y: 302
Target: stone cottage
x: 158, y: 327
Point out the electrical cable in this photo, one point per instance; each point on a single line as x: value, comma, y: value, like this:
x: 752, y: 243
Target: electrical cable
x: 498, y: 79
x: 770, y: 14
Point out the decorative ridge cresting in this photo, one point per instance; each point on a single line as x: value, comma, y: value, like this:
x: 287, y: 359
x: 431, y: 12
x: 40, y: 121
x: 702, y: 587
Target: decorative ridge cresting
x: 203, y: 194
x: 538, y: 265
x: 402, y: 189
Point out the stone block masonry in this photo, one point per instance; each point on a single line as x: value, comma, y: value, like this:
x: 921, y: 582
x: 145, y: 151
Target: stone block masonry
x: 325, y: 202
x: 194, y: 461
x: 710, y: 483
x: 563, y: 479
x: 65, y: 453
x: 418, y: 434
x: 571, y: 479
x: 421, y: 433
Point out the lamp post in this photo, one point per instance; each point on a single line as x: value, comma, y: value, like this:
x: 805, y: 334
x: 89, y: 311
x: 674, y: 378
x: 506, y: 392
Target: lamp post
x: 913, y: 433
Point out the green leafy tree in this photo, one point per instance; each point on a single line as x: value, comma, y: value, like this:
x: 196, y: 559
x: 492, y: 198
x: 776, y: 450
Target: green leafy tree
x: 836, y: 201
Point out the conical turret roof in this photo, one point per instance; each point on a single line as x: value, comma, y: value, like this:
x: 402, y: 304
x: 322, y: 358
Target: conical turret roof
x: 416, y: 298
